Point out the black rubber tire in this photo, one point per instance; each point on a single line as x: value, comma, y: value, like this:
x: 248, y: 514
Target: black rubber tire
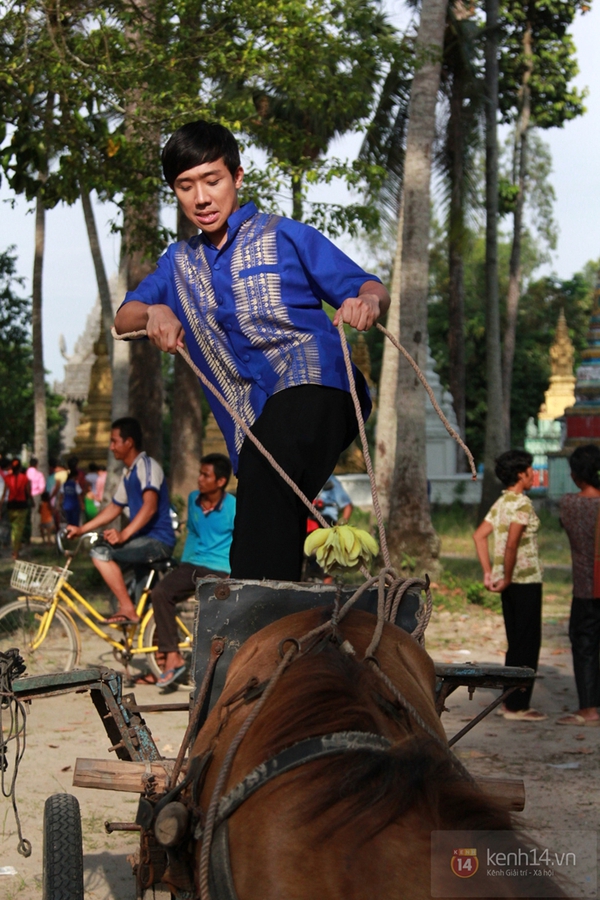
x: 63, y: 849
x: 19, y: 625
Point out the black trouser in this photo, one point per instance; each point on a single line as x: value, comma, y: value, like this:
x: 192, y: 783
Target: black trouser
x: 584, y: 633
x: 305, y: 428
x: 522, y: 611
x: 176, y: 586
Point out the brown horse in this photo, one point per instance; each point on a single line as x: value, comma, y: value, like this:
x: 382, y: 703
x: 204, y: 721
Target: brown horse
x: 349, y: 826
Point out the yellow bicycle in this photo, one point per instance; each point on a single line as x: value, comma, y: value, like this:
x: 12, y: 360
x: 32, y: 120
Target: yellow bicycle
x: 43, y: 622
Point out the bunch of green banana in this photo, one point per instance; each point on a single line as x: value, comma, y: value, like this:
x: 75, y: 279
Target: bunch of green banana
x: 341, y: 545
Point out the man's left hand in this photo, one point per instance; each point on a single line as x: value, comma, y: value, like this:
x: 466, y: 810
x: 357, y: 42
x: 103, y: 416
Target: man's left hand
x: 113, y: 536
x: 359, y: 312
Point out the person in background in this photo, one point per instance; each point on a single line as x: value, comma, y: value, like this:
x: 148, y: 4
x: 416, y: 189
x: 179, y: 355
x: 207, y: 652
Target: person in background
x: 580, y: 517
x: 516, y: 572
x: 337, y: 505
x: 70, y: 499
x: 46, y: 518
x: 100, y: 483
x: 59, y: 473
x: 18, y: 499
x: 211, y: 512
x: 37, y: 483
x: 149, y: 536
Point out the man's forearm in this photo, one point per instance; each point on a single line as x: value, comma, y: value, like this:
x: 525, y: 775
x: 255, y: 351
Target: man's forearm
x: 510, y: 558
x: 104, y: 517
x: 132, y: 316
x: 142, y: 518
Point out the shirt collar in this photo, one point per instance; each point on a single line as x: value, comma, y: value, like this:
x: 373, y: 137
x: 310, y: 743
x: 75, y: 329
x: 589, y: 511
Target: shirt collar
x: 126, y: 471
x: 234, y: 222
x: 216, y: 508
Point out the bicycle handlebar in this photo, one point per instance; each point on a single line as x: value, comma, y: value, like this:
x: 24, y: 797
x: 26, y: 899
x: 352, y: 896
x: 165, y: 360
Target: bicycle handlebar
x: 61, y: 534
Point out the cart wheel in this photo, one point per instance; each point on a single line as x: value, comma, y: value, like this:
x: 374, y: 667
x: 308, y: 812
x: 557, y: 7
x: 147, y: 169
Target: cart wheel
x: 63, y: 849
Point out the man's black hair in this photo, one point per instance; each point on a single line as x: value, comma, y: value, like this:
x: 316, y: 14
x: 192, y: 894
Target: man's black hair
x: 585, y: 464
x: 221, y: 465
x: 509, y: 466
x: 197, y: 143
x: 128, y: 427
x: 33, y: 461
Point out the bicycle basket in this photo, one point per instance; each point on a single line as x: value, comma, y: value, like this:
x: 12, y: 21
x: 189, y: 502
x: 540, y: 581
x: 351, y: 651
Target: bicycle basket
x: 42, y: 581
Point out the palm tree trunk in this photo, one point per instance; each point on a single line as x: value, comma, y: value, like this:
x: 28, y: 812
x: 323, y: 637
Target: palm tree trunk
x: 186, y: 431
x: 514, y: 281
x: 495, y: 439
x: 387, y: 416
x: 456, y: 249
x: 40, y: 422
x: 297, y: 210
x: 101, y: 279
x: 411, y: 533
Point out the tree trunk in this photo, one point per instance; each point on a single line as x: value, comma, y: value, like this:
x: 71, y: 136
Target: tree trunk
x: 297, y: 210
x: 145, y: 363
x: 411, y: 534
x: 514, y: 280
x: 387, y: 416
x: 107, y: 314
x: 186, y: 431
x: 495, y: 439
x: 40, y: 421
x: 456, y: 249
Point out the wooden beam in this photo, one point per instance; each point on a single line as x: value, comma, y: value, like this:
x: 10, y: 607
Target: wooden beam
x: 507, y: 792
x: 121, y: 774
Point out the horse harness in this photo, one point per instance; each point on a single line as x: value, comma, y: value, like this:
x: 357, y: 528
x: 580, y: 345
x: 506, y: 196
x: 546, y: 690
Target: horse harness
x: 220, y: 874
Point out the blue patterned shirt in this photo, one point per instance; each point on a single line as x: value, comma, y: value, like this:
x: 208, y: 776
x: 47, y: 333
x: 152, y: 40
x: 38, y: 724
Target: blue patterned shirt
x: 252, y: 312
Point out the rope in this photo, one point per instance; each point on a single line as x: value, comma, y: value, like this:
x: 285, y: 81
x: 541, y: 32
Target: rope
x: 451, y: 431
x: 365, y: 447
x: 11, y: 665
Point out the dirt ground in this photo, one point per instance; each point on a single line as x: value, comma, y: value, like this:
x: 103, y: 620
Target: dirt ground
x: 560, y: 766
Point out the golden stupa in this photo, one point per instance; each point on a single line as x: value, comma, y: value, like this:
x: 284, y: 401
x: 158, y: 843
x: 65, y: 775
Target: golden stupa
x: 93, y: 432
x: 561, y: 392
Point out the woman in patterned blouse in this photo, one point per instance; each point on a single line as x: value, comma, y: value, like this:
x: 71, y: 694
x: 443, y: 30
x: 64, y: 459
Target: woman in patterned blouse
x: 579, y: 517
x: 516, y: 573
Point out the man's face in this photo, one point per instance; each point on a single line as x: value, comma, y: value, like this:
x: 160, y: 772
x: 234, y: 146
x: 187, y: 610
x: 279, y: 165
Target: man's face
x: 119, y: 447
x: 208, y: 196
x: 208, y: 482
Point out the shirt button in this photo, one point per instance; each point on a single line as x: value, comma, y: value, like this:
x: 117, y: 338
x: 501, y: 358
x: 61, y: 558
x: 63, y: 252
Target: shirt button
x: 217, y: 266
x: 258, y: 377
x: 246, y: 357
x: 228, y: 326
x: 220, y: 301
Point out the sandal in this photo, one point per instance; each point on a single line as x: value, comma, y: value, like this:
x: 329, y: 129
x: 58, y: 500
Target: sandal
x: 171, y: 676
x: 525, y: 715
x: 579, y: 721
x: 120, y: 619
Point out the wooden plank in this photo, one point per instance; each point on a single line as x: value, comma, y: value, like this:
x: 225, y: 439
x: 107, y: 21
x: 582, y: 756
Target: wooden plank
x: 120, y: 774
x: 507, y: 792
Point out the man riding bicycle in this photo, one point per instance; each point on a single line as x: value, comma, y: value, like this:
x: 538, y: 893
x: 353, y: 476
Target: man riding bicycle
x: 149, y: 536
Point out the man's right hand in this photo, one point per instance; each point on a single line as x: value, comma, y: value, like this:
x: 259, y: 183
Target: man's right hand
x: 164, y: 328
x: 74, y: 531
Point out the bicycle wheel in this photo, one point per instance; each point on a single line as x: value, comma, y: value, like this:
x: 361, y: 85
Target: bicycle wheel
x: 185, y: 642
x: 62, y: 877
x: 19, y: 626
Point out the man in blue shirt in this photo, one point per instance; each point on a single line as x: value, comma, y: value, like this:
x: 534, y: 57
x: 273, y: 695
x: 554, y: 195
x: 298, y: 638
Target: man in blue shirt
x: 149, y: 536
x: 247, y: 296
x: 211, y: 512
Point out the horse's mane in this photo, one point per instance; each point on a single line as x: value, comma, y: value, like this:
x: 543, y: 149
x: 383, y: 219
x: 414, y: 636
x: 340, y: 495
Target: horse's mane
x: 326, y: 691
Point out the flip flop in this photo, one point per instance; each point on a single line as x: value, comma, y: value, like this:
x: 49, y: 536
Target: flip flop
x: 579, y: 721
x: 120, y: 619
x: 525, y: 715
x: 170, y: 676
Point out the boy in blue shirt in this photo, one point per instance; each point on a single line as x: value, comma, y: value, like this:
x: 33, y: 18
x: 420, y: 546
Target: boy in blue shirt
x: 247, y: 295
x: 211, y: 512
